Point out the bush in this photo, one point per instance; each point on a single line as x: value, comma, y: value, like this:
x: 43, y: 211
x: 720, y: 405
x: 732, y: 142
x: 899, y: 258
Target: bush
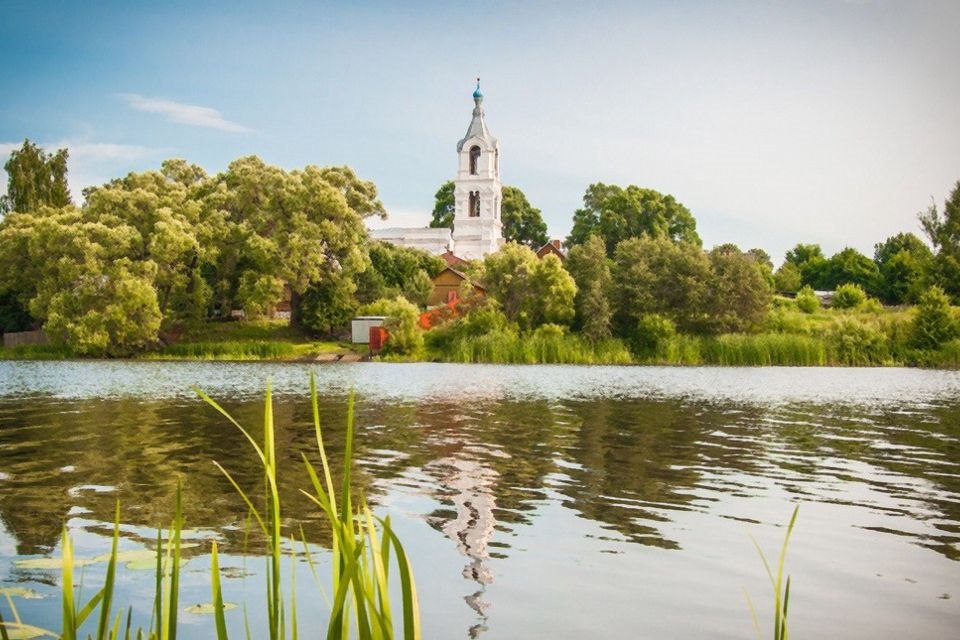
x: 807, y: 300
x: 934, y: 323
x: 652, y: 332
x: 854, y: 343
x: 849, y: 296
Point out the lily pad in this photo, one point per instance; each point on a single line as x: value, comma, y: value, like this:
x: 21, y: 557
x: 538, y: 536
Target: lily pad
x: 20, y: 592
x: 50, y: 563
x: 148, y: 563
x: 208, y: 608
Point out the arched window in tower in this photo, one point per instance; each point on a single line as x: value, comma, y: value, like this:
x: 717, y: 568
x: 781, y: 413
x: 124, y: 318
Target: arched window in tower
x: 474, y: 159
x: 496, y: 162
x: 474, y: 204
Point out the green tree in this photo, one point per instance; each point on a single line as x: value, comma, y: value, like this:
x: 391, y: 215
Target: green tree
x: 810, y: 261
x: 739, y: 296
x: 111, y: 311
x: 34, y: 179
x: 443, y: 207
x: 656, y: 275
x: 904, y: 262
x: 787, y: 278
x: 299, y: 226
x: 615, y: 213
x: 943, y: 229
x: 522, y: 223
x: 397, y: 271
x: 849, y: 266
x: 934, y: 322
x: 590, y: 268
x: 531, y: 291
x: 848, y: 296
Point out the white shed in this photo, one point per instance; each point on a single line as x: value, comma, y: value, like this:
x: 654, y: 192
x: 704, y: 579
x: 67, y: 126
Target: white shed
x: 360, y: 327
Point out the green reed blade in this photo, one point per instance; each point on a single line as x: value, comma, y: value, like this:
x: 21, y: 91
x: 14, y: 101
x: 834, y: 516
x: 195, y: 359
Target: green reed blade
x: 408, y: 587
x: 111, y: 574
x: 293, y: 589
x: 156, y: 617
x: 218, y: 617
x: 3, y: 625
x: 252, y: 509
x: 323, y: 452
x: 69, y: 627
x: 346, y: 510
x: 126, y: 635
x: 175, y: 567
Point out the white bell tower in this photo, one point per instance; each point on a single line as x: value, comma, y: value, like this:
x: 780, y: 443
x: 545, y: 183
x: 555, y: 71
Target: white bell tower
x: 477, y: 229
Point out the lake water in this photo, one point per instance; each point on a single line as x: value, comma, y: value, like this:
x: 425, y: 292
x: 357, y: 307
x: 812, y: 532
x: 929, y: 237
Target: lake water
x: 535, y: 502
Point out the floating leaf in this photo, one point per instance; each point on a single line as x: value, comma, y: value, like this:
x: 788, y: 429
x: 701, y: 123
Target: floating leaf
x: 50, y: 563
x: 20, y: 592
x: 207, y: 608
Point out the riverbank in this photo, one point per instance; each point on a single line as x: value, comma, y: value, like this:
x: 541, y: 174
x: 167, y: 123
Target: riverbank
x: 878, y: 337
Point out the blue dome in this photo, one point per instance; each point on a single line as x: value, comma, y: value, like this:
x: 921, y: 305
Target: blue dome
x: 477, y: 94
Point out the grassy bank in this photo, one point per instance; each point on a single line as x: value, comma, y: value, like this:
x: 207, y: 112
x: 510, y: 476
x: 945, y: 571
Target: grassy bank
x: 250, y: 340
x: 788, y: 337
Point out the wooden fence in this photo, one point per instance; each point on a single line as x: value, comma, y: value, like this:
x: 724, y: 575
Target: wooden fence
x: 20, y: 338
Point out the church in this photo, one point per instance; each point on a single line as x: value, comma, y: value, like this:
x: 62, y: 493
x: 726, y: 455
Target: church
x: 477, y: 228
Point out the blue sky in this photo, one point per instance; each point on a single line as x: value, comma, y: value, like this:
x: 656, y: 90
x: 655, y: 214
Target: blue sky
x: 774, y: 122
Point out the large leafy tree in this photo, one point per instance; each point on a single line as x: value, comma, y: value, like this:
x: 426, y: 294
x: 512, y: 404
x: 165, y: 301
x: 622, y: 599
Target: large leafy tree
x: 655, y: 275
x: 531, y: 291
x: 740, y: 295
x: 522, y: 222
x: 849, y: 266
x: 35, y: 178
x: 615, y: 214
x: 904, y: 262
x: 590, y: 268
x: 811, y: 263
x: 76, y: 275
x: 304, y: 228
x: 943, y: 229
x: 397, y: 271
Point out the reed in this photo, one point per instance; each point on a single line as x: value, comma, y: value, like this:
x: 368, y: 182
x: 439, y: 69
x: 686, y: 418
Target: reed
x: 781, y: 587
x: 362, y: 543
x: 507, y: 347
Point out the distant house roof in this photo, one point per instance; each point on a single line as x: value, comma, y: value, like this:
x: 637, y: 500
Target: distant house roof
x: 453, y: 260
x: 551, y: 247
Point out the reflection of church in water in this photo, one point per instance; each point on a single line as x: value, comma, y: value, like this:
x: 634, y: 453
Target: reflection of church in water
x: 470, y: 484
x: 477, y: 228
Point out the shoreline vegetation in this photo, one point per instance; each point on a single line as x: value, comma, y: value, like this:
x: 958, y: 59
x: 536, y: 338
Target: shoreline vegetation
x: 789, y: 338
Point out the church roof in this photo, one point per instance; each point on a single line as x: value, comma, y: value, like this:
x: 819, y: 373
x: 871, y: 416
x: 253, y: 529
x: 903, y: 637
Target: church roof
x: 478, y: 126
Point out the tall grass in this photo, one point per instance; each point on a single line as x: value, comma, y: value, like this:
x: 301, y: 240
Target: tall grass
x: 506, y: 347
x: 231, y: 350
x: 362, y: 543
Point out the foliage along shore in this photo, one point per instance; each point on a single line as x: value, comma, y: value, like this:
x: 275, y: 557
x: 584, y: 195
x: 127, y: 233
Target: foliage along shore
x: 827, y: 338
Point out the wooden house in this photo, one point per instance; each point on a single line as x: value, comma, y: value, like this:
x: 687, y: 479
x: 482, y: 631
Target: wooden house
x: 446, y: 286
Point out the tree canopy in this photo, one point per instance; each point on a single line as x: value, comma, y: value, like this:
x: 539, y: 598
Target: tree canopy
x: 35, y: 178
x: 615, y: 214
x: 943, y: 230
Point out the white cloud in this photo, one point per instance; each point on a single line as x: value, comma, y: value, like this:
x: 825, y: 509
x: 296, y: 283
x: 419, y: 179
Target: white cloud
x: 183, y: 113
